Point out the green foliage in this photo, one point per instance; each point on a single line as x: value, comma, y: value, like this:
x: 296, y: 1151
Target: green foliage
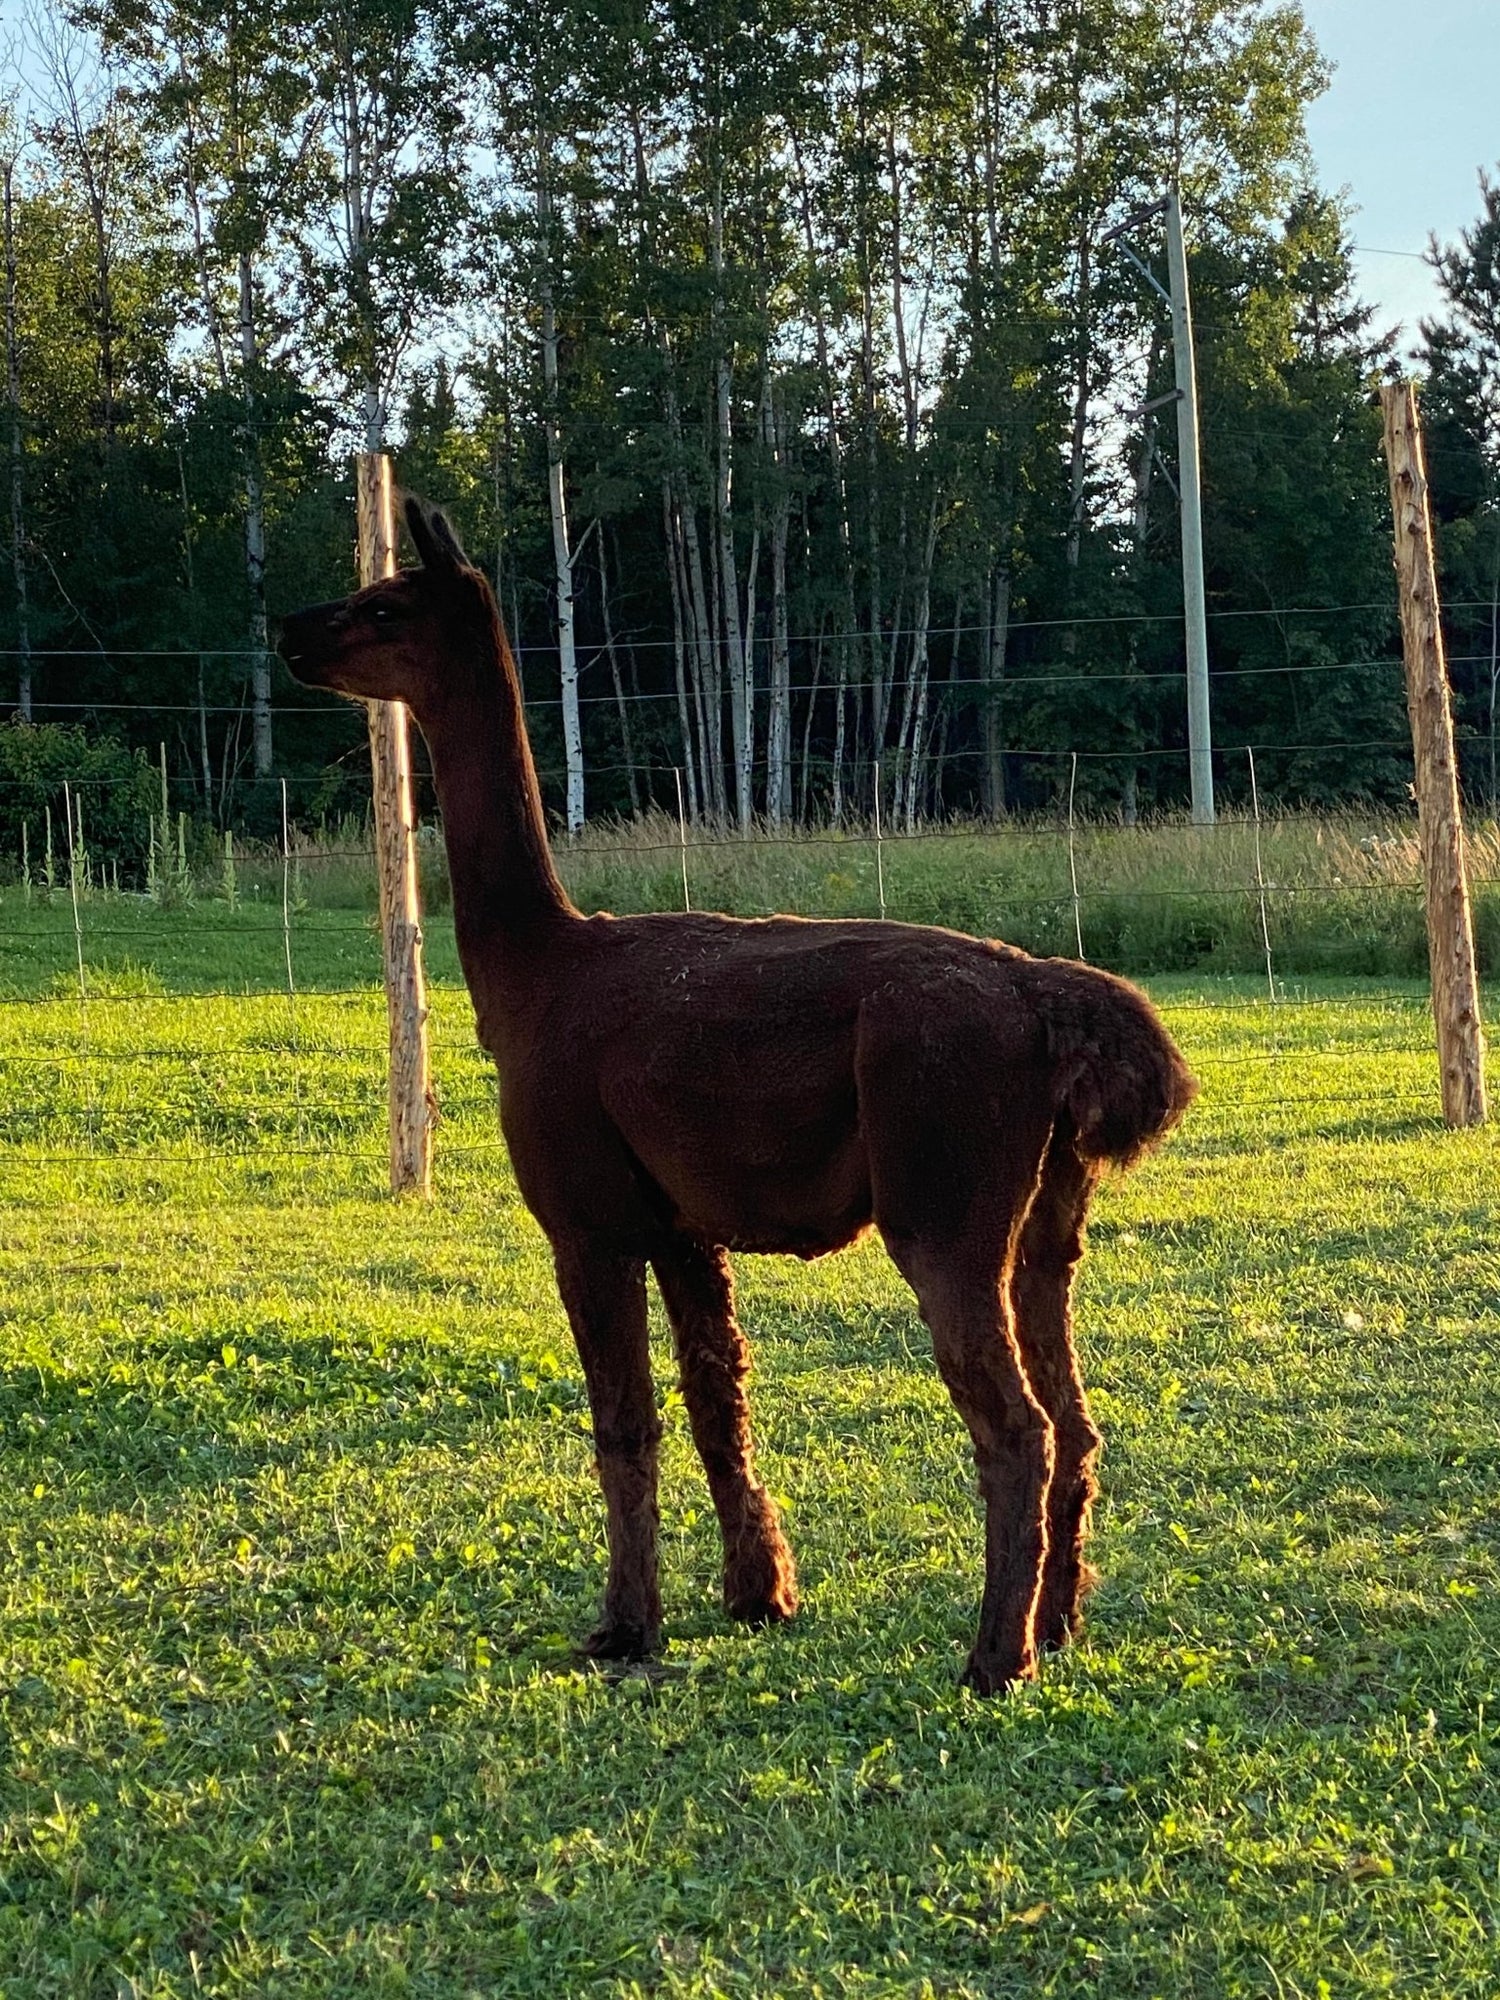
x: 1462, y: 405
x: 113, y: 782
x: 849, y: 271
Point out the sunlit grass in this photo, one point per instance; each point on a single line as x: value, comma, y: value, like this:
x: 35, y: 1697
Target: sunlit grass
x: 299, y: 1528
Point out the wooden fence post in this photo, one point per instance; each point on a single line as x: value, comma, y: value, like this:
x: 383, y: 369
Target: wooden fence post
x: 1450, y: 927
x: 411, y: 1101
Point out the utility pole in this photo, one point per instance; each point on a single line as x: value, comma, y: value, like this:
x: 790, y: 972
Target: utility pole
x: 1189, y: 490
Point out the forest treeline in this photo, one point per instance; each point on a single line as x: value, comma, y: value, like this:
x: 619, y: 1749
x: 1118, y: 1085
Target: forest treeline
x: 779, y: 362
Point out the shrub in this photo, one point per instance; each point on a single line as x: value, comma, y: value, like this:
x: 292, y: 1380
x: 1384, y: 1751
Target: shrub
x: 113, y: 785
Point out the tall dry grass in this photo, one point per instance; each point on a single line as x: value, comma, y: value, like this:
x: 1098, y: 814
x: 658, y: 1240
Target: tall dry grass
x: 1340, y: 893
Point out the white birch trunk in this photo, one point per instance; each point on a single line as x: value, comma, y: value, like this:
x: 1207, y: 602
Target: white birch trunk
x: 626, y: 747
x: 914, y: 702
x: 562, y: 562
x: 17, y: 463
x: 255, y: 525
x: 779, y: 718
x: 736, y: 648
x: 997, y: 632
x: 679, y: 651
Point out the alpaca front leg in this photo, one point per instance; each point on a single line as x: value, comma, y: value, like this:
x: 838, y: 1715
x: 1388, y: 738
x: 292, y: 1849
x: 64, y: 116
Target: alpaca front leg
x: 760, y: 1578
x: 605, y: 1298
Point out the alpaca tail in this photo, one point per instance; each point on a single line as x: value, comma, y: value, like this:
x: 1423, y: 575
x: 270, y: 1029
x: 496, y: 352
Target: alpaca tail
x: 1117, y: 1075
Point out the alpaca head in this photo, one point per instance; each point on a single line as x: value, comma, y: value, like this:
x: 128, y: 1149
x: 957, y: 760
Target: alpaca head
x: 407, y: 638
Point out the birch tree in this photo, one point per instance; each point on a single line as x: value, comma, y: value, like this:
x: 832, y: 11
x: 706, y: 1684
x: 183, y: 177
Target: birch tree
x: 9, y: 151
x: 228, y: 92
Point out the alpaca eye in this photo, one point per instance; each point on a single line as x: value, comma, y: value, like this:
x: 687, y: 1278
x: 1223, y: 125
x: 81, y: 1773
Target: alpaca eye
x: 381, y: 614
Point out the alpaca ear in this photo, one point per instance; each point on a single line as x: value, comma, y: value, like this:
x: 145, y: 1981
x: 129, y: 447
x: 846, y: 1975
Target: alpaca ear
x: 436, y: 544
x: 442, y: 529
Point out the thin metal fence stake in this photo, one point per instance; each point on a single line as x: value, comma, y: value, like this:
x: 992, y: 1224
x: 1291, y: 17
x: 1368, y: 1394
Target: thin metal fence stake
x: 286, y: 942
x: 1260, y: 878
x: 879, y: 846
x: 83, y: 989
x: 687, y: 901
x: 1073, y: 857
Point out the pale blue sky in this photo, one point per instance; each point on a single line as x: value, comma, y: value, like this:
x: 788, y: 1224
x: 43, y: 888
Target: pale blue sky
x: 1411, y: 115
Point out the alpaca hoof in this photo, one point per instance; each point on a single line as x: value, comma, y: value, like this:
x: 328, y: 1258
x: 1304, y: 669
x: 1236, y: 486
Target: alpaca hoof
x: 1059, y: 1618
x: 759, y: 1608
x: 996, y: 1676
x: 618, y: 1639
x: 760, y: 1588
x: 1056, y: 1630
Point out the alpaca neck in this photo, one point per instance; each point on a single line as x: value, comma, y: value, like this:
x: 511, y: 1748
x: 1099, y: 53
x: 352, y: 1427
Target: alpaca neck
x: 506, y: 892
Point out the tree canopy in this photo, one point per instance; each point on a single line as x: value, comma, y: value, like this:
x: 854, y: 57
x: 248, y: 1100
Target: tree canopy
x: 779, y: 363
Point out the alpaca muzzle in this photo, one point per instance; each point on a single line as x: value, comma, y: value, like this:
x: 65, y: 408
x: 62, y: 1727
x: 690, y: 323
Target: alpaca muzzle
x: 305, y: 639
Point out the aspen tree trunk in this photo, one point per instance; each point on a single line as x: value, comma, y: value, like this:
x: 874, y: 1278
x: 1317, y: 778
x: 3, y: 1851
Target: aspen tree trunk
x: 914, y: 701
x: 997, y: 623
x: 255, y: 523
x: 830, y: 406
x: 939, y: 758
x: 921, y: 780
x: 736, y: 646
x: 614, y: 674
x: 804, y: 796
x: 909, y: 427
x: 205, y: 763
x: 717, y: 671
x: 840, y: 736
x: 779, y: 719
x: 206, y: 295
x: 679, y: 652
x: 696, y: 601
x: 17, y: 457
x: 562, y: 561
x: 879, y: 694
x: 705, y: 773
x: 747, y: 748
x: 710, y: 746
x: 1145, y: 466
x: 247, y: 340
x: 1083, y: 295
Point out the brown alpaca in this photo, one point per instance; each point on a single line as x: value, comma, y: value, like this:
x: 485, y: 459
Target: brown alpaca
x: 673, y: 1087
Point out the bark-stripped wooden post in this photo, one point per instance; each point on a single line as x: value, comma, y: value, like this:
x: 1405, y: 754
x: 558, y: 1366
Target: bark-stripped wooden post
x: 1450, y: 926
x: 411, y: 1102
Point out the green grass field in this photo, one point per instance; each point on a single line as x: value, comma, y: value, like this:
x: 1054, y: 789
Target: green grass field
x: 299, y: 1529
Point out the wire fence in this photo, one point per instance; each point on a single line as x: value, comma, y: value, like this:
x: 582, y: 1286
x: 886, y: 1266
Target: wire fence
x: 290, y: 1079
x: 295, y: 1072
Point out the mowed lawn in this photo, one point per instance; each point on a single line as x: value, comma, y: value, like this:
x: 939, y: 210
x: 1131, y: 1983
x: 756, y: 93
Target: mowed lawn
x: 299, y: 1530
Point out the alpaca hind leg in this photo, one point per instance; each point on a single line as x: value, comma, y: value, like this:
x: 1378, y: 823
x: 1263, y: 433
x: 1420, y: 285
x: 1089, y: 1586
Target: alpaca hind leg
x: 760, y: 1578
x: 1041, y: 1295
x: 967, y: 1312
x: 605, y: 1297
